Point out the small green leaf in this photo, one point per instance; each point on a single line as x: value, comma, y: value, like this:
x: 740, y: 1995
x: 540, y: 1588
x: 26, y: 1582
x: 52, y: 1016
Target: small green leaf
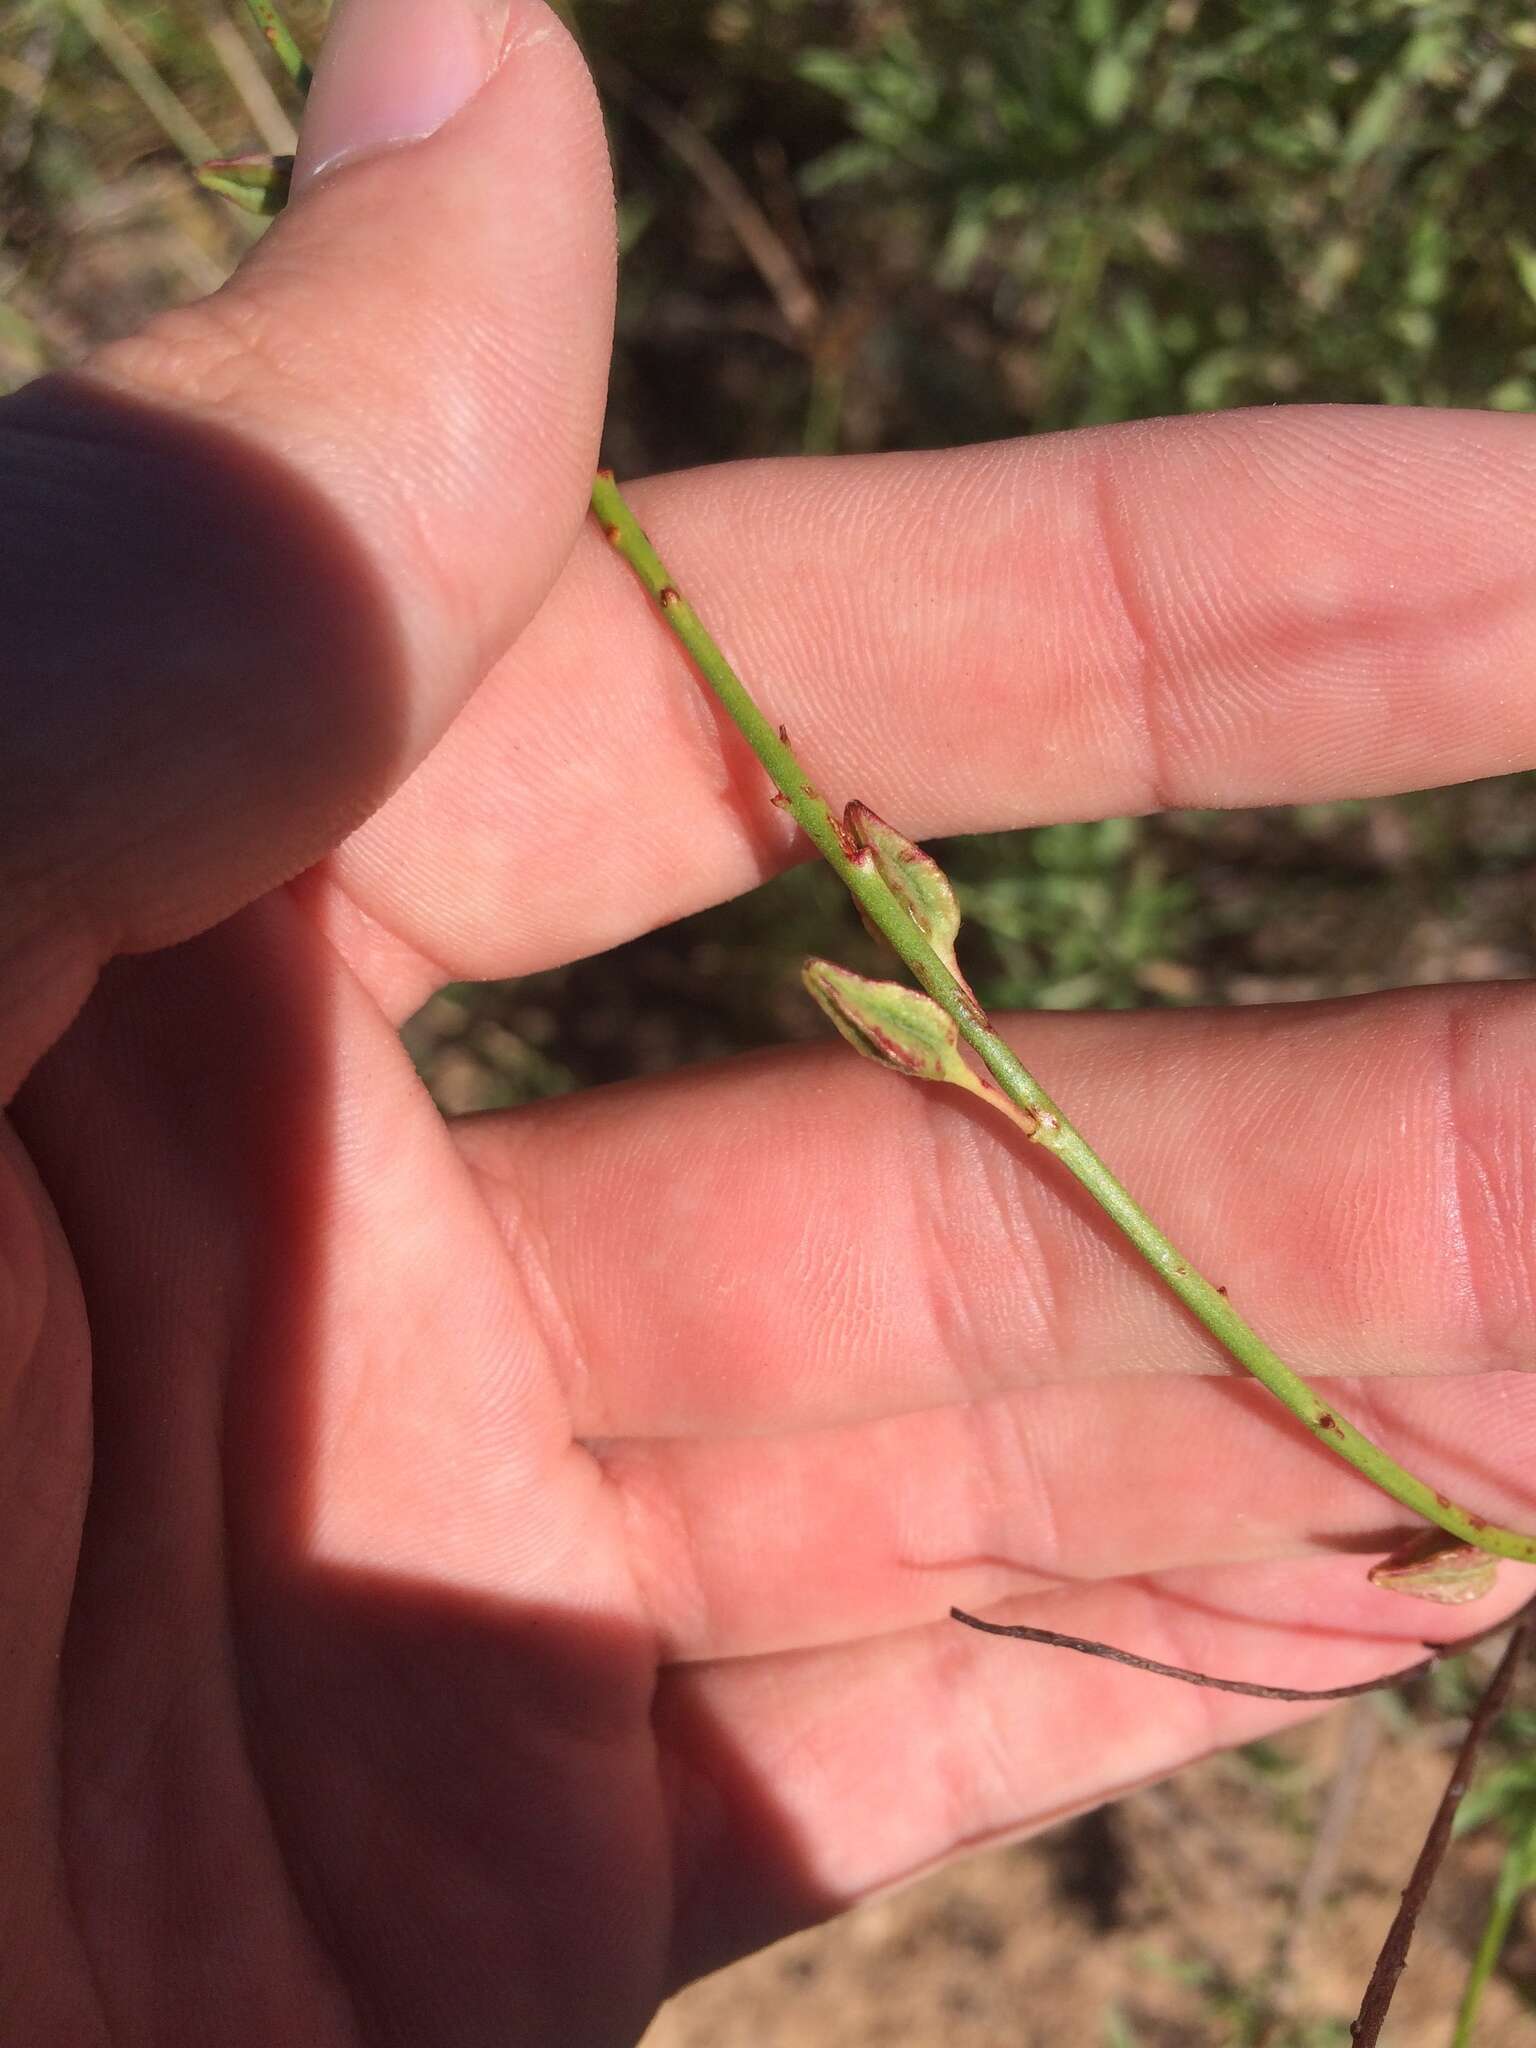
x: 1109, y: 87
x: 1507, y: 1795
x: 917, y: 882
x: 1523, y: 257
x: 896, y: 1027
x: 1435, y: 1566
x: 258, y: 183
x: 1377, y: 120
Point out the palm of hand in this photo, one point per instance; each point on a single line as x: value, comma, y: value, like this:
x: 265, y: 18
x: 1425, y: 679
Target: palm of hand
x: 354, y: 1711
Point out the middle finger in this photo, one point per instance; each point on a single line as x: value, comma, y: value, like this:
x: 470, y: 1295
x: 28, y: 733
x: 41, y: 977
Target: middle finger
x: 796, y: 1240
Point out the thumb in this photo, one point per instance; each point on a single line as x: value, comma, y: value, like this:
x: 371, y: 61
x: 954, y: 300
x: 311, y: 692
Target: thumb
x: 253, y: 559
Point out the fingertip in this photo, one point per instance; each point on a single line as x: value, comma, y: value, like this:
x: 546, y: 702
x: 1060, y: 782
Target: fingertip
x: 392, y: 72
x: 425, y: 335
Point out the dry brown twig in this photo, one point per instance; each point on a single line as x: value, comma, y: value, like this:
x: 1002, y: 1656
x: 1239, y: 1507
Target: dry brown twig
x: 1393, y: 1959
x: 244, y: 72
x: 761, y: 243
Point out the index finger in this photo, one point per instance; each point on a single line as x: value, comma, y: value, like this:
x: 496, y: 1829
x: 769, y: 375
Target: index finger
x: 1247, y: 608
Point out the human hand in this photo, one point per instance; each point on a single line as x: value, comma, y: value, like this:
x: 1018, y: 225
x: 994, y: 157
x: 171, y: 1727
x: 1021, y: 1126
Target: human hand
x: 514, y: 1562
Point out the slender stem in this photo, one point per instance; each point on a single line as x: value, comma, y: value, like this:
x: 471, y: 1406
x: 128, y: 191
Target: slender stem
x: 284, y: 47
x: 248, y: 77
x: 1052, y: 1130
x: 1365, y: 2031
x: 1052, y: 1639
x: 1517, y: 1873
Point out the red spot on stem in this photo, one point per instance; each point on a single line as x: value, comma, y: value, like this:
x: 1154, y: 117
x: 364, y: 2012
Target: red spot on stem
x: 780, y: 799
x: 784, y: 735
x: 667, y: 597
x: 1326, y: 1421
x: 605, y: 476
x: 612, y: 533
x: 1222, y: 1291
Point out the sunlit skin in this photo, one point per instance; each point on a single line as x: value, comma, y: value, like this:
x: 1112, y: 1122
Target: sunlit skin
x: 456, y: 1583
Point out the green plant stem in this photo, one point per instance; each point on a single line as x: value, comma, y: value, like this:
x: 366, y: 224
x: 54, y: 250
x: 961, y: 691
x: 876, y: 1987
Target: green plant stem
x: 284, y: 47
x: 1208, y: 1304
x: 1517, y: 1873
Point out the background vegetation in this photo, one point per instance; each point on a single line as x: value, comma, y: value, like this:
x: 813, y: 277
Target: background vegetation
x: 863, y: 224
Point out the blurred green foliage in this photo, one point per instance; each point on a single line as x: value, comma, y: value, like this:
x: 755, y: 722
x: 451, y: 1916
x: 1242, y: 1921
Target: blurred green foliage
x: 1029, y: 215
x: 1084, y: 210
x: 1072, y: 915
x: 1200, y: 206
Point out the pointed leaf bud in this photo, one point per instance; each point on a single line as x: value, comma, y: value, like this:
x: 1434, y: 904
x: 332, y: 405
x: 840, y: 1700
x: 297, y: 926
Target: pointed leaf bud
x: 917, y: 882
x: 896, y: 1027
x: 257, y: 183
x: 1437, y: 1566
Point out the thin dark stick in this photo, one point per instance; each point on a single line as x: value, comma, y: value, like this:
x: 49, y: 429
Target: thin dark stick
x: 1085, y: 1648
x: 1053, y: 1641
x: 762, y: 244
x: 1393, y: 1959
